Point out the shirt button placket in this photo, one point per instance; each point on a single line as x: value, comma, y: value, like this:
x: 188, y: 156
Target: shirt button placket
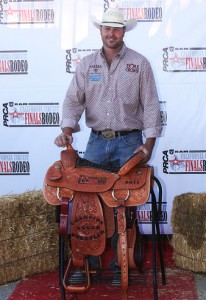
x: 109, y: 97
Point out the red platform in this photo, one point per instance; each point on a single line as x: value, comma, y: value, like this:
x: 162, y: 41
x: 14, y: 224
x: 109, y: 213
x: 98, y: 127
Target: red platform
x: 180, y: 284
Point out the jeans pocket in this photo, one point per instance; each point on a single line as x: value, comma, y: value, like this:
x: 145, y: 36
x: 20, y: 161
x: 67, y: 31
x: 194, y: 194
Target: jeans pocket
x: 92, y: 138
x: 132, y: 139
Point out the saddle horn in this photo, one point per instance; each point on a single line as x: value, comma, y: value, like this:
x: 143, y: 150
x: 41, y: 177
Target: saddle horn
x: 69, y: 157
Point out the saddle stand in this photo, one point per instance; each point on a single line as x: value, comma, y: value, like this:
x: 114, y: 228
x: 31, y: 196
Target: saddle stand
x: 94, y: 192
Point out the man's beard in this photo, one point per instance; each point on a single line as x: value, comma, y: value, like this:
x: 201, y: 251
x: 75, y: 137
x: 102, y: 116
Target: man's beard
x: 114, y: 45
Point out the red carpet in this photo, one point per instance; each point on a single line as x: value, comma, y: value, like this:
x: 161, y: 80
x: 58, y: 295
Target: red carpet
x: 180, y: 284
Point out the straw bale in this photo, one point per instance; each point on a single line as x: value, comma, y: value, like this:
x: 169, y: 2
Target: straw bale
x: 188, y: 217
x: 190, y: 264
x: 28, y: 236
x: 181, y: 246
x: 28, y: 245
x: 20, y: 226
x: 37, y: 264
x: 25, y: 204
x: 25, y: 214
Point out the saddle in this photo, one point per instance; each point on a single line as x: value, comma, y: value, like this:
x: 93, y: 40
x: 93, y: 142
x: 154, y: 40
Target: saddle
x: 94, y: 191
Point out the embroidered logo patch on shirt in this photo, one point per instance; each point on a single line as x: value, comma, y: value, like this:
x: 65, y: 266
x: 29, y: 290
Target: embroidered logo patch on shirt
x: 95, y: 77
x: 95, y: 74
x: 132, y: 68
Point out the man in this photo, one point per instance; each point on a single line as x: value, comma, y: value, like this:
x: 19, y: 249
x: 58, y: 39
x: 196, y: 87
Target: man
x: 115, y: 87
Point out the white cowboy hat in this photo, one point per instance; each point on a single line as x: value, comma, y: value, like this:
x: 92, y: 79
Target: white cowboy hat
x: 114, y: 18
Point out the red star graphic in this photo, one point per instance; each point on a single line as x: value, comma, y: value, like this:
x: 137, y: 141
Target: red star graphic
x: 77, y: 60
x: 175, y: 161
x: 175, y: 59
x: 15, y: 114
x: 9, y: 11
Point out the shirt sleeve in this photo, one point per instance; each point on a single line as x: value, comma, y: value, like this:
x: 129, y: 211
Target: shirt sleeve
x: 74, y: 102
x: 149, y: 98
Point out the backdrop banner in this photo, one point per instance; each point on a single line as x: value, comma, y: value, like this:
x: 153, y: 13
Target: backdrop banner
x: 42, y: 42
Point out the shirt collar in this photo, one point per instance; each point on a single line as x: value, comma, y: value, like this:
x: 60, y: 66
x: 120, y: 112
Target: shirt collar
x: 121, y: 52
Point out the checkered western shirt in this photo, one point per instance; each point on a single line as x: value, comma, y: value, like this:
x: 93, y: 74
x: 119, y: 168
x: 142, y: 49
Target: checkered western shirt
x: 120, y: 97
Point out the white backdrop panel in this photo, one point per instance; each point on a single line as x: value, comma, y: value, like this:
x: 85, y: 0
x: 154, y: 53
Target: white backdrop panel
x: 176, y: 48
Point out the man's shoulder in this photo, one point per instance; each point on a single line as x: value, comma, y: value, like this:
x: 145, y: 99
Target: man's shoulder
x: 135, y: 54
x: 90, y: 59
x: 94, y: 54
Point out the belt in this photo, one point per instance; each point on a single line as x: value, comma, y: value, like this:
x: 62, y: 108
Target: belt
x: 111, y: 134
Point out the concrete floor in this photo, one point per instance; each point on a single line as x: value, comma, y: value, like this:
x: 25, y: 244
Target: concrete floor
x: 7, y: 289
x: 200, y: 279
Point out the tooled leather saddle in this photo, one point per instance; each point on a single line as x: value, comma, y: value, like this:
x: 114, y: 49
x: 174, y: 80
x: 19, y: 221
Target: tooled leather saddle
x: 94, y: 192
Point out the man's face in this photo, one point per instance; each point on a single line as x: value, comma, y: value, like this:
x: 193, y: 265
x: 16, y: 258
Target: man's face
x: 112, y: 37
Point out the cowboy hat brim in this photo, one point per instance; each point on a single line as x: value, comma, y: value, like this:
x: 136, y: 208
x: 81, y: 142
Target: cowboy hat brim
x: 129, y: 24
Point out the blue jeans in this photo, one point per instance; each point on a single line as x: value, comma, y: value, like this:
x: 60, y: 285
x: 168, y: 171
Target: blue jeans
x: 112, y: 152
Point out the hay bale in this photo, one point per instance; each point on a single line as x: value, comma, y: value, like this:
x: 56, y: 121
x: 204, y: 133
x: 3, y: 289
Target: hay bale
x: 26, y: 225
x: 188, y: 217
x: 189, y: 231
x: 19, y: 205
x: 182, y: 248
x: 28, y: 236
x: 190, y: 264
x: 28, y: 266
x: 28, y: 245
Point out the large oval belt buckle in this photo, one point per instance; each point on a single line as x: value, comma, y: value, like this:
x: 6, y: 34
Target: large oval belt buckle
x: 108, y: 134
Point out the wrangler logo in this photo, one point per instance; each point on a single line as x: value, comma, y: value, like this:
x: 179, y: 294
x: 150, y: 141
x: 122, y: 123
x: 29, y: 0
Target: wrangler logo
x: 91, y: 180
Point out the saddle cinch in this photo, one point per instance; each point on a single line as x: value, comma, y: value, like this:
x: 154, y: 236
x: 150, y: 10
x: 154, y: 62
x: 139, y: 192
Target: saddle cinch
x: 95, y: 191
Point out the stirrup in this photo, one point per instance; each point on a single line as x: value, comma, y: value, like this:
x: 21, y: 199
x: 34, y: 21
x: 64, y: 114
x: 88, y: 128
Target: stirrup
x: 76, y: 289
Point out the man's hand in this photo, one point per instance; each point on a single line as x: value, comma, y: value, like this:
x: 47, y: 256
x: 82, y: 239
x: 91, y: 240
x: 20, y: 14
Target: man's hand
x: 64, y: 139
x: 147, y: 149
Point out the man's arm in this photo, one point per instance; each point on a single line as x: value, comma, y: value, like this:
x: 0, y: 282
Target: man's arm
x: 147, y: 149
